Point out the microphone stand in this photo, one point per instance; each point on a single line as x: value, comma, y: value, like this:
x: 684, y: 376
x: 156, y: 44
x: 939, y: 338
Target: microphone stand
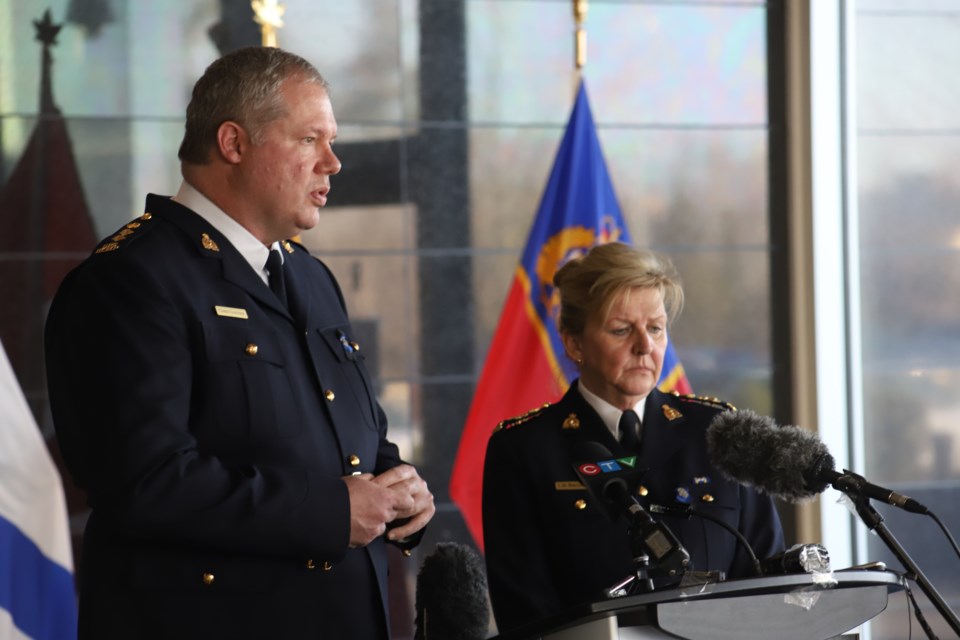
x: 874, y: 521
x: 640, y: 579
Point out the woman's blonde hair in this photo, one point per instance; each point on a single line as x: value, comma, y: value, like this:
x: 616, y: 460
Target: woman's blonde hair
x: 594, y: 281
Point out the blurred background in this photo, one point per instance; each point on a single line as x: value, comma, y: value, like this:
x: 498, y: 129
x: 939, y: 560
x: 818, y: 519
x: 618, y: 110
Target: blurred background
x: 795, y: 158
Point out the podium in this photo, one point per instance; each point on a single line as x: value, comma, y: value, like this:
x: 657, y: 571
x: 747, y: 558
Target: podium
x: 790, y: 607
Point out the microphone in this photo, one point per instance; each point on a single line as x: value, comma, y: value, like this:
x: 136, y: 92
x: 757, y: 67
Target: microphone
x: 800, y: 558
x: 786, y: 462
x: 451, y: 595
x: 605, y: 478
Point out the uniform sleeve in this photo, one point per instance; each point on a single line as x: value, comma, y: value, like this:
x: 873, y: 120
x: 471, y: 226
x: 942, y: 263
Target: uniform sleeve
x: 760, y: 525
x: 122, y: 365
x: 517, y: 571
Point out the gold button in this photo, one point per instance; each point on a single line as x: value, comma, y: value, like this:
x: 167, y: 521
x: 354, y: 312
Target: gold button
x: 707, y: 497
x: 407, y: 553
x: 146, y: 216
x: 330, y: 395
x: 252, y: 349
x: 354, y: 460
x: 310, y: 564
x: 642, y: 490
x: 580, y: 504
x: 327, y: 566
x: 208, y: 578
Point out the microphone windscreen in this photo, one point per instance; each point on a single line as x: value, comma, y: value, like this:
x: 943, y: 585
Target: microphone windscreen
x: 781, y: 461
x: 451, y: 595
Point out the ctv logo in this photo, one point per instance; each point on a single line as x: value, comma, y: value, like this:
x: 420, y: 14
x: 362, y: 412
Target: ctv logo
x: 607, y: 466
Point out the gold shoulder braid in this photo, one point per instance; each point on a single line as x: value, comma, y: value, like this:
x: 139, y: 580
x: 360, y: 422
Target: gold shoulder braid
x: 707, y: 401
x: 125, y: 232
x: 510, y: 423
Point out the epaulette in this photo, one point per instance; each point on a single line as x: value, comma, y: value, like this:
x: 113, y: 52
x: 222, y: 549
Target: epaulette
x: 124, y: 234
x: 716, y: 403
x: 510, y: 423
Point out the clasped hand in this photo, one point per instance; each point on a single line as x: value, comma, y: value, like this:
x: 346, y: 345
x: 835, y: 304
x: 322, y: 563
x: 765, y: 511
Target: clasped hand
x: 397, y: 494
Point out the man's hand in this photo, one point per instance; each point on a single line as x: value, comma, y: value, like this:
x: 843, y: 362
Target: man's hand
x: 405, y: 480
x: 372, y: 506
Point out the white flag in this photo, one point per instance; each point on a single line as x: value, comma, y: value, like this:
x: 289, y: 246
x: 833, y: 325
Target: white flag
x: 37, y: 597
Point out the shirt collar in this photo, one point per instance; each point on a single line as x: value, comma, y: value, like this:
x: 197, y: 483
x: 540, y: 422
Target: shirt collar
x: 252, y: 250
x: 607, y: 412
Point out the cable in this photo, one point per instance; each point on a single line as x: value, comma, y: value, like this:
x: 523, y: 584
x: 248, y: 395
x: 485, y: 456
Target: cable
x: 946, y: 532
x: 687, y: 512
x: 916, y: 611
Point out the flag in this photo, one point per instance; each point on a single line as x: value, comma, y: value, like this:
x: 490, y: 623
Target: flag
x: 525, y: 366
x: 37, y: 598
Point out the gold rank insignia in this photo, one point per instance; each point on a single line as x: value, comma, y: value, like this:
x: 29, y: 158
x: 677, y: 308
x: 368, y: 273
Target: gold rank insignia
x: 112, y: 243
x: 708, y: 401
x: 208, y: 243
x: 572, y: 422
x: 107, y: 246
x: 286, y: 245
x: 517, y: 420
x: 670, y: 413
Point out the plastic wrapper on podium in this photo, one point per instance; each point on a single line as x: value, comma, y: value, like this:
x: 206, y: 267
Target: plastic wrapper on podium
x: 787, y: 607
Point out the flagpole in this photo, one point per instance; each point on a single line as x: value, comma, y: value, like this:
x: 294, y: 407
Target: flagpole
x: 580, y: 8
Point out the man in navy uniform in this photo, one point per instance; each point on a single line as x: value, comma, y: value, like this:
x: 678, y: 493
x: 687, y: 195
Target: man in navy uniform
x: 209, y: 394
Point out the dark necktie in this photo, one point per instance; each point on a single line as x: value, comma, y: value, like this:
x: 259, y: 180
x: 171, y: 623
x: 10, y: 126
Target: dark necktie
x: 275, y: 276
x: 630, y: 430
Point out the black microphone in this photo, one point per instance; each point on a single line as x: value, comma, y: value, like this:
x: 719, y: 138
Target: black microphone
x: 786, y: 462
x: 605, y: 478
x: 451, y: 595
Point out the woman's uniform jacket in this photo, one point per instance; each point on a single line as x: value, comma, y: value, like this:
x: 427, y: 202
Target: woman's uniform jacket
x: 211, y: 427
x: 549, y: 544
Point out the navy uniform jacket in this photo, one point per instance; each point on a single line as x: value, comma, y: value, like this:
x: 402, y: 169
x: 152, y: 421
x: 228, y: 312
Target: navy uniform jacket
x: 549, y: 546
x: 211, y: 428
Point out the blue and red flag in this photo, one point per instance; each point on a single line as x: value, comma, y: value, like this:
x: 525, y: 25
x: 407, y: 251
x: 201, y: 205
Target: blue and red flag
x: 526, y: 367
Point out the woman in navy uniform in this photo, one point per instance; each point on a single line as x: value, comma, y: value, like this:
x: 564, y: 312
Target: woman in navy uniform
x: 235, y: 457
x: 548, y: 543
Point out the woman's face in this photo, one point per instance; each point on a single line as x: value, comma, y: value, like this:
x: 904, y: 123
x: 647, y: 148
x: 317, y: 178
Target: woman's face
x: 621, y: 356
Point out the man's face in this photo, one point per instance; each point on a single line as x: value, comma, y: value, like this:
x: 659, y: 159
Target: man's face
x: 287, y: 175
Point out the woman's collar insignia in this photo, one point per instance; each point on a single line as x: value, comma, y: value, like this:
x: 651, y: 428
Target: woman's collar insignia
x: 671, y: 413
x: 208, y: 243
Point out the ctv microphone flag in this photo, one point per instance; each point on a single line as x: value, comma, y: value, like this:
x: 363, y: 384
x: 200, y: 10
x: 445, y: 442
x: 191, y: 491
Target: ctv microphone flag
x: 525, y: 366
x: 37, y: 598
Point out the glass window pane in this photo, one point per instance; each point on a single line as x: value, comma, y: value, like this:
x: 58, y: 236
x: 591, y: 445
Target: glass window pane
x: 909, y: 249
x: 723, y: 335
x: 927, y: 44
x: 680, y: 64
